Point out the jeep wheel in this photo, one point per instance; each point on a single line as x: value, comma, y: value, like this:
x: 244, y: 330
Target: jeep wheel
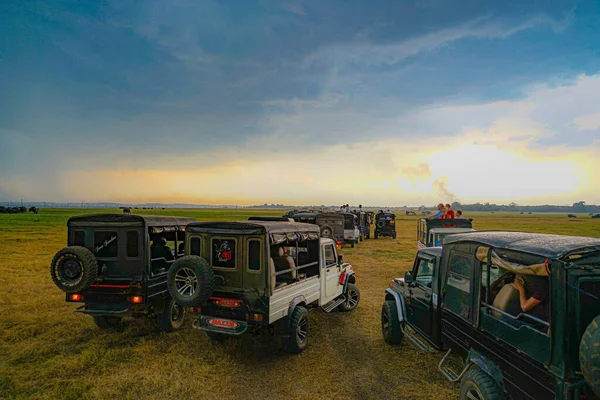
x: 215, y: 336
x: 376, y: 235
x: 326, y: 231
x: 73, y: 269
x: 589, y: 355
x: 191, y: 281
x: 477, y: 385
x: 352, y: 244
x: 107, y: 322
x: 297, y: 337
x: 390, y: 323
x: 394, y: 235
x: 172, y: 317
x: 352, y: 298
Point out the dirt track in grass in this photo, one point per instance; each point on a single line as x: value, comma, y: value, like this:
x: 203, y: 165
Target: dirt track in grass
x: 47, y: 351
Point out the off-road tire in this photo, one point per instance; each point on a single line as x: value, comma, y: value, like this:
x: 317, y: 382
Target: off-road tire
x: 589, y: 355
x: 216, y: 336
x: 390, y: 323
x: 172, y: 316
x: 476, y: 384
x: 191, y: 281
x: 352, y: 298
x: 73, y: 269
x: 394, y: 235
x: 376, y: 235
x: 297, y: 336
x: 380, y: 223
x: 327, y: 231
x: 352, y: 244
x: 107, y: 322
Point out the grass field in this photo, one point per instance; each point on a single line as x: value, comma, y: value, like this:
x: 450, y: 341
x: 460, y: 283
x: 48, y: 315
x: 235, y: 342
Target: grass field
x: 47, y: 351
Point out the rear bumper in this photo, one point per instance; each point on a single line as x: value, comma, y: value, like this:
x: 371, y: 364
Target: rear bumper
x: 125, y: 312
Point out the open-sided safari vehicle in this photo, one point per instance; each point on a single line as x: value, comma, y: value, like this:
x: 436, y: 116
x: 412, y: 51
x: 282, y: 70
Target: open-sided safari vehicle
x: 331, y: 225
x: 431, y: 232
x: 461, y: 299
x: 243, y: 276
x: 111, y: 267
x: 385, y: 224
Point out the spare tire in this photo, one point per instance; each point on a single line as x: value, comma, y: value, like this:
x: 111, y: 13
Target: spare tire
x: 191, y: 281
x: 380, y: 223
x: 326, y: 231
x: 589, y: 355
x: 74, y: 269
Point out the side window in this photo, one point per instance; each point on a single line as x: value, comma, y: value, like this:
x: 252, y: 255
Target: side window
x: 79, y: 238
x: 105, y: 244
x: 425, y: 271
x: 254, y: 256
x: 458, y: 284
x: 133, y: 245
x: 195, y: 247
x: 330, y: 256
x: 223, y: 253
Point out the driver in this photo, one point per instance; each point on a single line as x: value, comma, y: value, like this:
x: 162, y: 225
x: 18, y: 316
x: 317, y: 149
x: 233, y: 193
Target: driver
x: 533, y: 295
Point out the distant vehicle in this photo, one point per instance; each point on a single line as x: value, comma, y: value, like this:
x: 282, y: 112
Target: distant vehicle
x: 364, y: 226
x: 596, y: 216
x: 239, y: 277
x: 385, y: 225
x: 431, y: 232
x: 411, y: 213
x: 460, y: 299
x: 111, y: 269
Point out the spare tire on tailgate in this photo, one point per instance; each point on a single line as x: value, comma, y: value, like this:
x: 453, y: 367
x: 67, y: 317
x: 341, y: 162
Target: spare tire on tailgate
x: 74, y: 269
x: 589, y: 354
x: 191, y: 281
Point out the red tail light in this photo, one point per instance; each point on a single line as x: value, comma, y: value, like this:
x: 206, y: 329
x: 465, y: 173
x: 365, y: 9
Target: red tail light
x: 255, y: 317
x: 342, y: 278
x: 196, y: 310
x: 76, y: 297
x: 136, y: 299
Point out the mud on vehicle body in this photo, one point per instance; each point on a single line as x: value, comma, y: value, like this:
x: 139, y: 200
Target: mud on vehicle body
x: 431, y: 232
x: 461, y: 299
x: 243, y: 276
x: 111, y: 267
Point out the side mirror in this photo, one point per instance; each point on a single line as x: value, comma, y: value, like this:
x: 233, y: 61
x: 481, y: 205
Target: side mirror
x: 340, y: 259
x: 408, y: 278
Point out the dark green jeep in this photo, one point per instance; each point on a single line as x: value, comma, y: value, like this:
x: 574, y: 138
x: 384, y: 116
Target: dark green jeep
x: 111, y: 267
x: 522, y: 310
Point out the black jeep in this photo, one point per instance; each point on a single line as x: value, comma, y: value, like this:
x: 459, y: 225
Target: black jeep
x: 111, y: 267
x: 385, y: 224
x: 522, y: 310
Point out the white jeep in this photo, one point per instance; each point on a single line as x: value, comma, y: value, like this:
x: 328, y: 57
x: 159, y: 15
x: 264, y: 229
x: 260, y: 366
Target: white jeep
x: 261, y: 273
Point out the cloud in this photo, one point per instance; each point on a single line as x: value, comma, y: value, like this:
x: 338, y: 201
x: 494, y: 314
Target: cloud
x: 294, y: 8
x: 421, y: 171
x: 588, y: 122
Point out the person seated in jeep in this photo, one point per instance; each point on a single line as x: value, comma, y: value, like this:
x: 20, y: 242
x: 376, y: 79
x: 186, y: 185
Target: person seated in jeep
x: 161, y: 254
x: 533, y: 295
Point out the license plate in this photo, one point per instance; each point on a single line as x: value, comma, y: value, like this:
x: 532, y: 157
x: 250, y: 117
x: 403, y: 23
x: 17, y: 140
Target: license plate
x: 222, y: 323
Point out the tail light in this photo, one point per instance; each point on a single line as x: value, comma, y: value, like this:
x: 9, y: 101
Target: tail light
x: 254, y: 317
x: 342, y: 278
x: 196, y: 310
x: 137, y: 299
x: 76, y: 297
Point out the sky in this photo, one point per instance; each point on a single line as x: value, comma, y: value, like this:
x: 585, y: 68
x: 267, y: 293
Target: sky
x: 383, y: 102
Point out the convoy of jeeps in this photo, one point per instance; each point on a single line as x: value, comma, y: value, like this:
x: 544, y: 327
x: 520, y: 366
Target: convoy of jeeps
x: 465, y: 296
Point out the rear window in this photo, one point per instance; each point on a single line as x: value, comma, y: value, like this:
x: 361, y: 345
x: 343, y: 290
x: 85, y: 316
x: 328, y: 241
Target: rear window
x: 133, y: 244
x: 105, y: 244
x: 223, y: 253
x: 254, y: 255
x: 195, y: 246
x: 79, y: 238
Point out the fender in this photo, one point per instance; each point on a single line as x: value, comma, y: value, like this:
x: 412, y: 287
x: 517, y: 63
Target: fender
x: 295, y: 303
x: 399, y: 303
x: 487, y: 365
x: 350, y: 278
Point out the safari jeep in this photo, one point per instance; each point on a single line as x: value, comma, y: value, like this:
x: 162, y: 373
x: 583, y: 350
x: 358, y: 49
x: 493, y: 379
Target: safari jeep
x: 113, y: 271
x: 464, y: 299
x: 240, y: 277
x: 431, y: 232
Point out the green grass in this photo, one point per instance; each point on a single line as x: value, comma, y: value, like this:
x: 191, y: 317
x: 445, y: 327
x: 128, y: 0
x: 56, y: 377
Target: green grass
x: 47, y: 351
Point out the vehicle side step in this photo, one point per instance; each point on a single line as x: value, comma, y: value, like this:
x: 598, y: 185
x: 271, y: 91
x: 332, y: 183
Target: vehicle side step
x: 333, y: 304
x: 450, y: 374
x: 418, y: 342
